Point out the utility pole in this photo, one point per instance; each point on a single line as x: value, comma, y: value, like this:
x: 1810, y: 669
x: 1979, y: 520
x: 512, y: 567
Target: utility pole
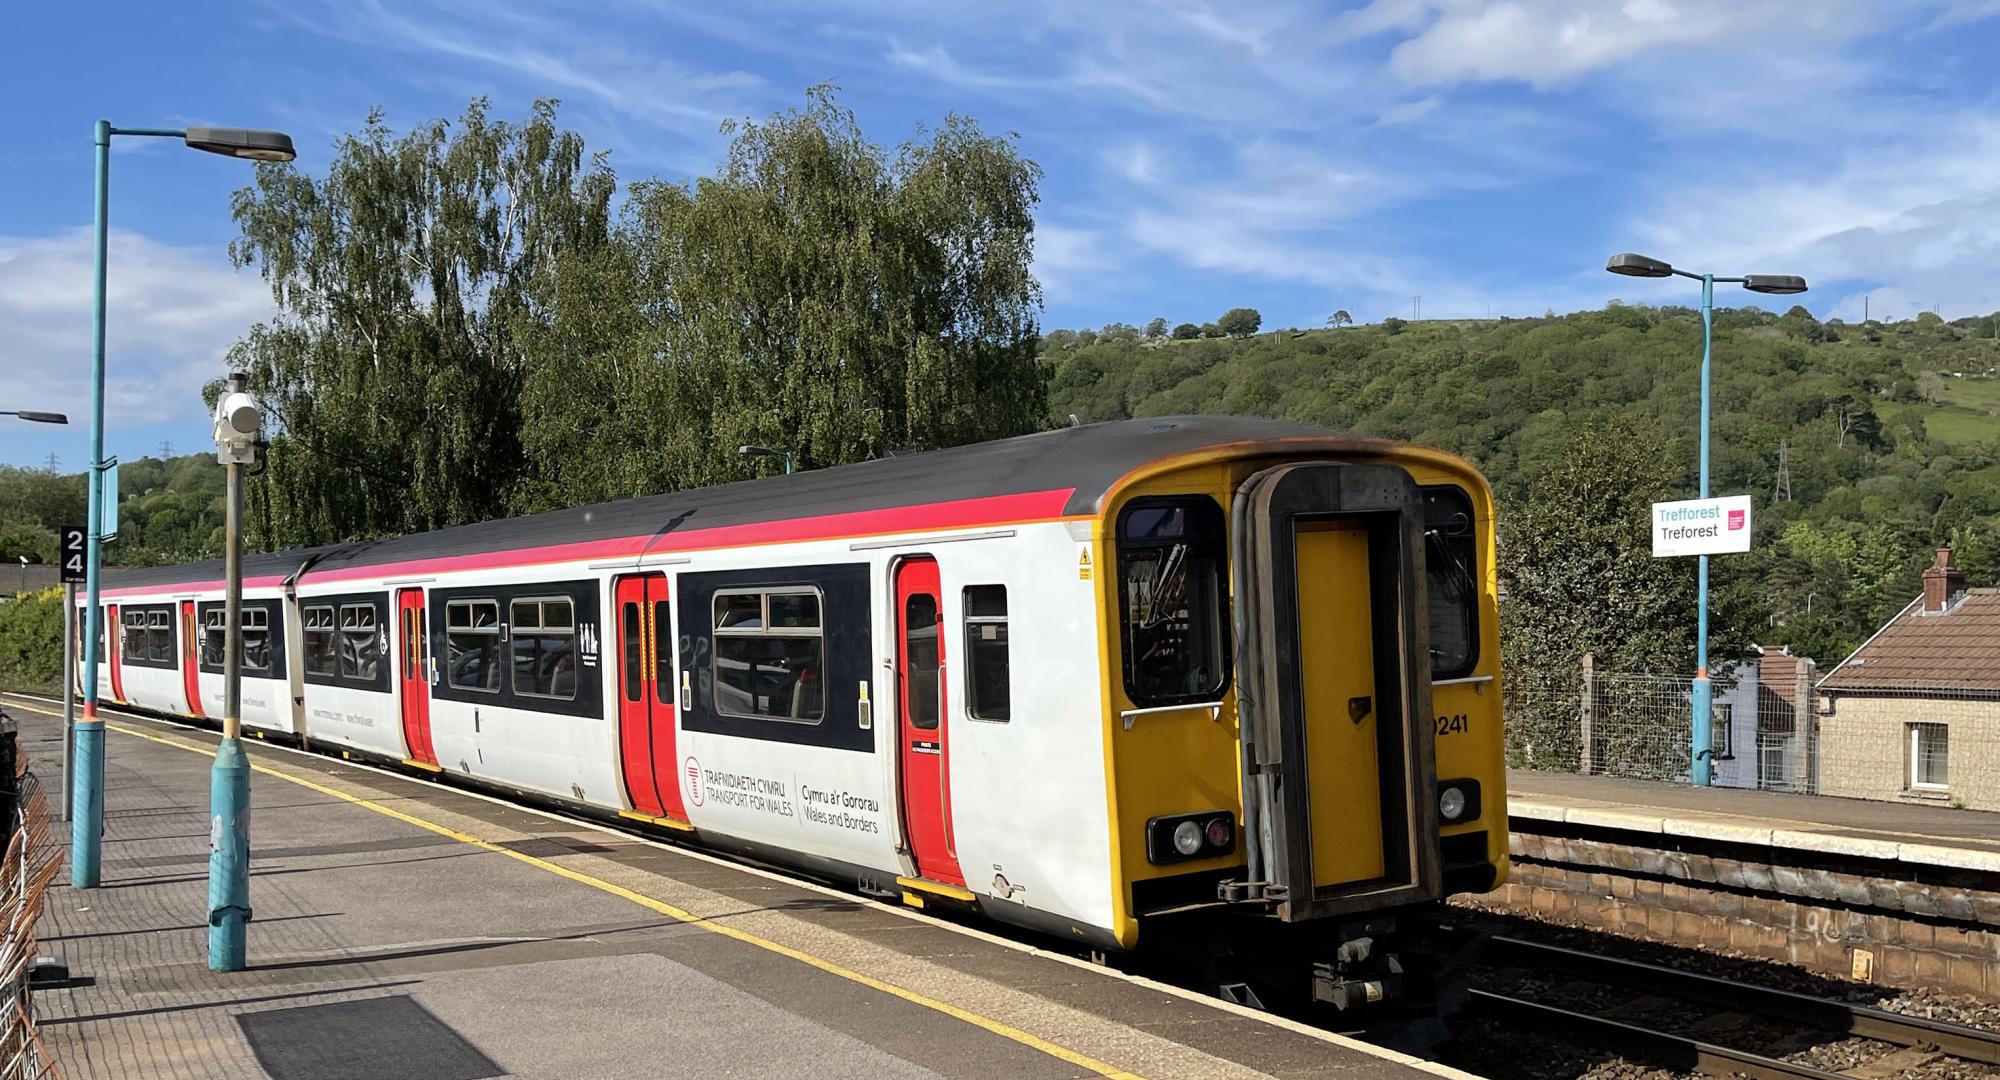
x: 1781, y: 490
x: 53, y: 461
x: 166, y: 450
x: 237, y: 422
x: 1416, y: 308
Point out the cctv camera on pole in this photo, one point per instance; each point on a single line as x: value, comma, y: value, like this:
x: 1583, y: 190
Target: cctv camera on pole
x: 238, y: 421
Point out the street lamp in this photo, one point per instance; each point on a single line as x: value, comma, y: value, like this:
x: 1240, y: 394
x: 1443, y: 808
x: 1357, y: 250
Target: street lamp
x: 34, y: 417
x: 1632, y: 265
x: 765, y: 451
x: 87, y: 817
x: 238, y: 420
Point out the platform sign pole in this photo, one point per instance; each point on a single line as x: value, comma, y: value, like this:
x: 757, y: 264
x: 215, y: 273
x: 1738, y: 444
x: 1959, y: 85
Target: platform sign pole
x: 1704, y: 690
x: 236, y: 424
x: 69, y: 690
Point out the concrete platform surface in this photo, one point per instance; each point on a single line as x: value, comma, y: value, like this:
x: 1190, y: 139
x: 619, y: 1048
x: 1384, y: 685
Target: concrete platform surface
x: 1913, y: 833
x: 408, y: 929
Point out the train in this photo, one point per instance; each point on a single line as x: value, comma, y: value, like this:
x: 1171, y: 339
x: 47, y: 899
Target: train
x: 1225, y: 686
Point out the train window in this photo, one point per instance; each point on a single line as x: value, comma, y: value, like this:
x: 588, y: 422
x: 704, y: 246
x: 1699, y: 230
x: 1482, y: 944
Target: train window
x: 360, y: 644
x: 920, y: 652
x: 322, y: 653
x: 159, y: 637
x: 633, y: 650
x: 256, y: 641
x: 769, y: 658
x: 1450, y: 545
x: 987, y: 689
x: 472, y: 642
x: 213, y: 637
x: 543, y: 637
x: 663, y: 664
x: 134, y: 647
x: 1171, y: 564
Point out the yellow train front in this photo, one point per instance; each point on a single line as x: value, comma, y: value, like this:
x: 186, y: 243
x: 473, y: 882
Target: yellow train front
x: 1303, y: 667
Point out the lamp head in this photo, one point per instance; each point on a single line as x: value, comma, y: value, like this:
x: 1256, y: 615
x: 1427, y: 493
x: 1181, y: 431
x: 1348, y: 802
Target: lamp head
x: 1632, y: 265
x: 242, y: 143
x: 42, y: 417
x: 1776, y: 284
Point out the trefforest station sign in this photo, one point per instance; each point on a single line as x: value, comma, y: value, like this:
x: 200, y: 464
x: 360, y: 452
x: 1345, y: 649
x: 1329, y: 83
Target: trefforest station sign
x: 1702, y: 526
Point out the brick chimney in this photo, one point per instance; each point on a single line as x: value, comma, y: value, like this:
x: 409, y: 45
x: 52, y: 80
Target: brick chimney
x: 1942, y: 582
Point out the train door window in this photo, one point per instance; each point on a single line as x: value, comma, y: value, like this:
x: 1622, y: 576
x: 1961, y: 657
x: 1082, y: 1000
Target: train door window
x: 159, y: 637
x: 1171, y: 563
x: 472, y: 639
x: 360, y: 644
x: 633, y: 651
x: 409, y: 644
x: 769, y: 660
x: 988, y: 691
x: 322, y: 651
x: 1450, y: 544
x: 543, y: 637
x: 920, y: 646
x: 135, y: 634
x: 663, y: 664
x: 213, y: 634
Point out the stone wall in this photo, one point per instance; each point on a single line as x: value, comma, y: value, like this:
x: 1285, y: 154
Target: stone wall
x: 1864, y: 748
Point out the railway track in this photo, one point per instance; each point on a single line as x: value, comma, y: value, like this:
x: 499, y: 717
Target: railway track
x: 1919, y: 1040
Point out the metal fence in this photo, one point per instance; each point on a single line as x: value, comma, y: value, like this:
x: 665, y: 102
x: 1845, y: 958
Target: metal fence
x: 34, y: 855
x: 1640, y: 726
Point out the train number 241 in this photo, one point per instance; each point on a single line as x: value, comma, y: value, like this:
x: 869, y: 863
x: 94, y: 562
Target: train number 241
x: 1454, y: 724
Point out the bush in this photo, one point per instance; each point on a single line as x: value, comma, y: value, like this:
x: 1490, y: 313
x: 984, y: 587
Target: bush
x: 1240, y: 322
x: 1186, y: 331
x: 31, y: 641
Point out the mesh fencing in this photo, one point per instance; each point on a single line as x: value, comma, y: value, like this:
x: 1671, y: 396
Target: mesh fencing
x: 33, y: 857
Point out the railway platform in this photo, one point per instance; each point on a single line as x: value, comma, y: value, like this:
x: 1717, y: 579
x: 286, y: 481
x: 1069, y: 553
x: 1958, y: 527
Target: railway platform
x: 405, y: 928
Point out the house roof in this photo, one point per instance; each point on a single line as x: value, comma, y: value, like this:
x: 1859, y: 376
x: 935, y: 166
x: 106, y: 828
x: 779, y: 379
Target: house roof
x: 1957, y: 649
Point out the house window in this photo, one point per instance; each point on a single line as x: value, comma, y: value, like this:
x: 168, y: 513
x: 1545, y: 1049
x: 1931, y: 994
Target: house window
x: 472, y: 642
x: 1930, y: 757
x: 1722, y: 730
x: 769, y: 660
x: 987, y: 686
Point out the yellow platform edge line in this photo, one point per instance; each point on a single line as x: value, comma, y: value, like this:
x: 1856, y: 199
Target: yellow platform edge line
x: 938, y: 888
x: 664, y: 822
x: 997, y: 1027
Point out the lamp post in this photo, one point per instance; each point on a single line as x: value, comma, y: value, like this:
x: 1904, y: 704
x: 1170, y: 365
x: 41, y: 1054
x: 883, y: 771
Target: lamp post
x: 1630, y: 265
x: 35, y: 417
x: 765, y: 451
x: 237, y: 423
x: 87, y: 811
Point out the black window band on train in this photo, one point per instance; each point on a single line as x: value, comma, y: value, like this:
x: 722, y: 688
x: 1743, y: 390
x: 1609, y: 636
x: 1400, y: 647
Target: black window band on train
x: 147, y: 637
x: 346, y: 641
x: 1172, y: 566
x: 798, y: 672
x: 1451, y: 577
x: 263, y: 637
x: 534, y: 646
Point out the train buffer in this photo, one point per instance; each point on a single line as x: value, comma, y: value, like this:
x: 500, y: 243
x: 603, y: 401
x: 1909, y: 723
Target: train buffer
x: 405, y: 928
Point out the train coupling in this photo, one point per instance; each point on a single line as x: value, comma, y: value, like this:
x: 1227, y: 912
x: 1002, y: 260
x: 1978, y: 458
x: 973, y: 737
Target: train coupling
x: 1250, y: 892
x: 1359, y: 974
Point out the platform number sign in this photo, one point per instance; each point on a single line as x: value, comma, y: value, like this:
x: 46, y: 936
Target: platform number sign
x: 71, y: 541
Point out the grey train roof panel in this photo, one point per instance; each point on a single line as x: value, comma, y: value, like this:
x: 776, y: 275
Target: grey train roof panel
x: 1088, y: 459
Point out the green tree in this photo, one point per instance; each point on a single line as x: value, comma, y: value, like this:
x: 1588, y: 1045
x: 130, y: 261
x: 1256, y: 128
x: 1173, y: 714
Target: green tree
x: 1393, y: 325
x: 1211, y: 330
x: 1239, y: 322
x: 1156, y: 329
x: 1186, y: 331
x: 1339, y: 319
x: 408, y: 280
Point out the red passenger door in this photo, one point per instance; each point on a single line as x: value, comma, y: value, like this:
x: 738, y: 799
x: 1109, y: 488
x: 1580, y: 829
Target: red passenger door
x: 920, y: 705
x: 191, y: 658
x: 114, y: 647
x: 416, y: 677
x: 646, y: 690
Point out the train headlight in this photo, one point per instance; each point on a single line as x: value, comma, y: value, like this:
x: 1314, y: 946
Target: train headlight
x: 1458, y: 801
x: 1221, y: 832
x: 1451, y: 803
x: 1187, y: 838
x: 1173, y: 838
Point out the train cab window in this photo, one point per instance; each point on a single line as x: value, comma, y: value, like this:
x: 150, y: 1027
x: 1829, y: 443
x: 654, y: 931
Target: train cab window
x: 472, y: 641
x: 544, y: 644
x: 360, y: 642
x: 988, y: 691
x: 769, y: 659
x: 663, y: 663
x: 1171, y: 567
x: 159, y: 637
x: 1450, y: 546
x: 134, y: 647
x: 322, y: 651
x: 920, y: 648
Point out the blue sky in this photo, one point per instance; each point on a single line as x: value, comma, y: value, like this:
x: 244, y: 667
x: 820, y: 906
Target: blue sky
x: 1485, y: 155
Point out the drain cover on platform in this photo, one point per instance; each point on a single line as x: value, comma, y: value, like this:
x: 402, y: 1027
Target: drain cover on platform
x: 387, y: 1038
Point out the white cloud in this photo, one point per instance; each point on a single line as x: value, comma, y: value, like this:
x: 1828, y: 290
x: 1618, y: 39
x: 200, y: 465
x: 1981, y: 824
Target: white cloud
x: 1068, y: 260
x: 171, y: 315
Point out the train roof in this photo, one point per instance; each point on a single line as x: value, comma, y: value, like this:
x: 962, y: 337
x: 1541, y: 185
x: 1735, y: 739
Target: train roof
x: 1059, y: 473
